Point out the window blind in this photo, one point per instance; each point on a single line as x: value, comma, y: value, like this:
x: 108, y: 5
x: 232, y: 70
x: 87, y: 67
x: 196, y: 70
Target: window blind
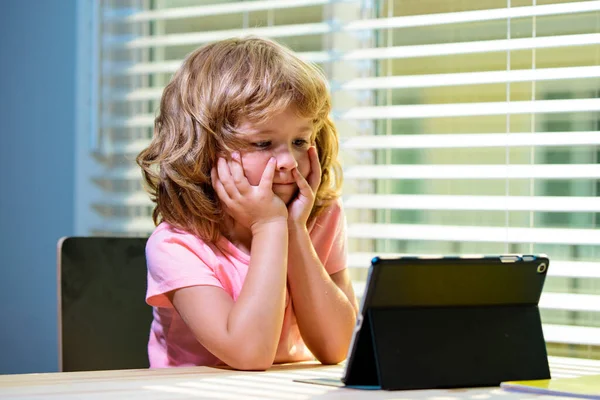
x: 467, y: 126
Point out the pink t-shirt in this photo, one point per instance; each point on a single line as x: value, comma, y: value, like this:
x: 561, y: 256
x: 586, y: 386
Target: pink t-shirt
x: 177, y: 259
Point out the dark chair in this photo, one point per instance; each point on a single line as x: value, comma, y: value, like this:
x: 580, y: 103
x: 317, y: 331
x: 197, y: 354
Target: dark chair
x: 104, y: 321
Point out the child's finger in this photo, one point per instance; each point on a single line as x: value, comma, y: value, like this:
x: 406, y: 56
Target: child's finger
x: 303, y: 186
x: 314, y: 177
x: 224, y: 175
x: 266, y: 180
x: 237, y: 172
x: 218, y: 186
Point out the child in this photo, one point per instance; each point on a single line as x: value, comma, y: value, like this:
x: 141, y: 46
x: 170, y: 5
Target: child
x: 247, y: 264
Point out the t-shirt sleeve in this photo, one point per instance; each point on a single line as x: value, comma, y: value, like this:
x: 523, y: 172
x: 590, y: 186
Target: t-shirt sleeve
x: 176, y: 260
x: 329, y: 238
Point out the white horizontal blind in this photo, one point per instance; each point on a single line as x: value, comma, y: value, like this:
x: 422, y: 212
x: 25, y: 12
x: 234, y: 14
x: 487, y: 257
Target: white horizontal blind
x: 484, y: 139
x: 467, y: 126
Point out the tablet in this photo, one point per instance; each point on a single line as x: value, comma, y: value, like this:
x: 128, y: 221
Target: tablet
x: 449, y: 321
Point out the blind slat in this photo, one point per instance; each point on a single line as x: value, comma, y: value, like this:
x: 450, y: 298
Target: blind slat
x: 472, y: 16
x: 570, y: 301
x: 512, y: 171
x: 485, y: 46
x: 576, y: 364
x: 471, y: 140
x: 572, y: 334
x: 478, y: 203
x: 132, y: 15
x: 209, y: 10
x: 168, y: 67
x: 142, y: 68
x: 474, y: 233
x: 470, y: 109
x: 210, y: 36
x: 145, y: 94
x: 468, y: 78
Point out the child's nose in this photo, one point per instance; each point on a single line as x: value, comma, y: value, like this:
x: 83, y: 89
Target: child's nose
x: 286, y: 160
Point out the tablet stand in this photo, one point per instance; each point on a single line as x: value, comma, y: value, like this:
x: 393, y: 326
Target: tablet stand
x: 465, y: 347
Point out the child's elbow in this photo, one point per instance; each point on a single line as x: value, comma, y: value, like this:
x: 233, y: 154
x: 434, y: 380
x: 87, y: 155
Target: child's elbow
x: 332, y: 359
x: 251, y: 365
x: 252, y: 361
x: 331, y: 355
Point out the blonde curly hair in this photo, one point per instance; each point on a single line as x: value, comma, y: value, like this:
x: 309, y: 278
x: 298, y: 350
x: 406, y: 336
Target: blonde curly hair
x: 218, y: 85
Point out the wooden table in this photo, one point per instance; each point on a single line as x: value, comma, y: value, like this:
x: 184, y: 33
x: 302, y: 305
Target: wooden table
x: 214, y: 383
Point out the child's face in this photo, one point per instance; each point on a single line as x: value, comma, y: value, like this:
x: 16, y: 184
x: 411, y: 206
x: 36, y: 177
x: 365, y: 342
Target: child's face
x: 287, y: 138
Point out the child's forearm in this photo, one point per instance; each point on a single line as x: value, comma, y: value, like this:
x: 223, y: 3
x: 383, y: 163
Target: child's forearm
x: 257, y: 317
x: 326, y: 315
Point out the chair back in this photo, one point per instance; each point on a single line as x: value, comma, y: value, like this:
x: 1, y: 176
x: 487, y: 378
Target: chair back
x: 104, y: 321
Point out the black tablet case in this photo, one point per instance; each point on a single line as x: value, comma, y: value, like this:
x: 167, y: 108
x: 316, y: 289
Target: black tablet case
x: 450, y: 322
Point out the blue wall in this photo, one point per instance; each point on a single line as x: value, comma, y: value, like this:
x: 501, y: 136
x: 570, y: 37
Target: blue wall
x: 37, y: 132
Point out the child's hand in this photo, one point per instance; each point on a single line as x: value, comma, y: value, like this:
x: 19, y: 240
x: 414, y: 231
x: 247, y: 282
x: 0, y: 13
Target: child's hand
x: 299, y: 209
x: 251, y: 206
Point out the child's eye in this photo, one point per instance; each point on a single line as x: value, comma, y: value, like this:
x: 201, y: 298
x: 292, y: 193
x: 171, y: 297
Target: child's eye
x: 262, y: 144
x: 300, y: 142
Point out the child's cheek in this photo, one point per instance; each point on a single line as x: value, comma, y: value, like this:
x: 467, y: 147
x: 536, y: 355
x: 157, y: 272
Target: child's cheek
x: 253, y: 167
x: 303, y: 164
